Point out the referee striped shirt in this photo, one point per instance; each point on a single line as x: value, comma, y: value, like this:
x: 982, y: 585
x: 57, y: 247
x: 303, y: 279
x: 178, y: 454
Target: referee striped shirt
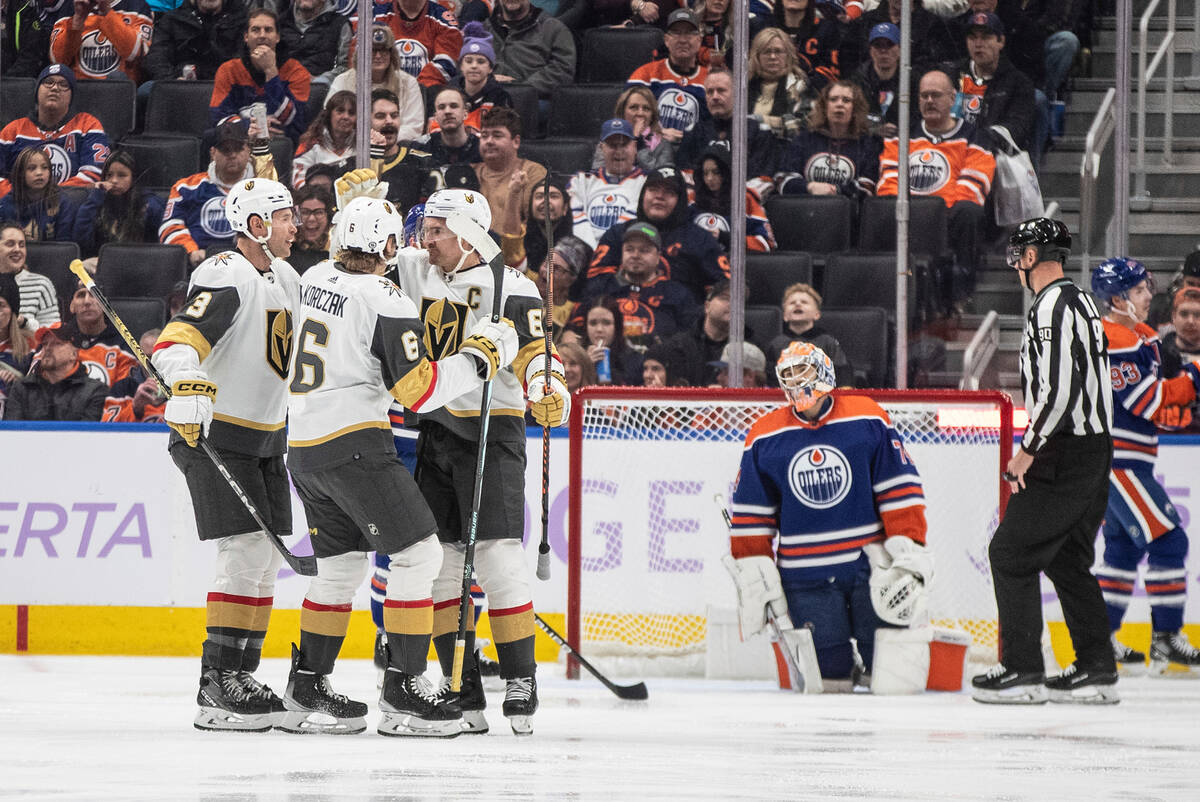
x: 1064, y: 361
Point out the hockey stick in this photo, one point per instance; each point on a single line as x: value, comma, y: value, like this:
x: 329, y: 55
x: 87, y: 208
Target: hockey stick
x: 302, y: 565
x: 635, y: 692
x: 543, y: 562
x: 481, y: 241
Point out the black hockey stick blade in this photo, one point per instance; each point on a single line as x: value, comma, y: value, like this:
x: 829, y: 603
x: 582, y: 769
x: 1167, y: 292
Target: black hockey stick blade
x: 636, y: 692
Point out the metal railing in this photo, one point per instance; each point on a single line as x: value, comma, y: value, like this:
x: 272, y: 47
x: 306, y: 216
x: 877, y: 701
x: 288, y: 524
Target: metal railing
x: 980, y: 350
x: 1141, y: 198
x: 1089, y: 172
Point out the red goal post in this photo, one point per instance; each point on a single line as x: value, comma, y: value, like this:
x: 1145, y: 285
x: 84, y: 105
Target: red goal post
x: 650, y: 469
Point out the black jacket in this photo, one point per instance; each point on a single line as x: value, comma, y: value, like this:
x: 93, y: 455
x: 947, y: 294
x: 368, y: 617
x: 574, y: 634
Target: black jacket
x: 76, y: 398
x: 1027, y: 26
x: 763, y: 149
x: 26, y: 47
x: 185, y: 36
x: 1008, y: 101
x: 316, y: 48
x: 933, y: 39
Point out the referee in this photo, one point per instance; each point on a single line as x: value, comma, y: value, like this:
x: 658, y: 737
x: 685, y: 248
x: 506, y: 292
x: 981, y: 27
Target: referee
x: 1059, y: 480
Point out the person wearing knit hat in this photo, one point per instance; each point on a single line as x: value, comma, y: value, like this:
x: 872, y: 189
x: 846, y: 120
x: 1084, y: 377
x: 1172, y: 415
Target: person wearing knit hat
x: 476, y: 65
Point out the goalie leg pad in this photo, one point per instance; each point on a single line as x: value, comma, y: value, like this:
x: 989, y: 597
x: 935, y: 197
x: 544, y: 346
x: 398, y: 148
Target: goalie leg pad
x: 901, y: 661
x: 797, y: 658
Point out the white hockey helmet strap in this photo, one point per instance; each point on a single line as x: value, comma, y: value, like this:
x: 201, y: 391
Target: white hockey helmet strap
x: 457, y: 205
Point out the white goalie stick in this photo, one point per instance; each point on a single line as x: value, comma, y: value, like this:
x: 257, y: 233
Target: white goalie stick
x: 791, y: 644
x: 302, y: 565
x: 479, y: 239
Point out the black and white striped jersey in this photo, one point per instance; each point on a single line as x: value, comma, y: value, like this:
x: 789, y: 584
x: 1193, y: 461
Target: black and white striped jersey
x: 1064, y: 362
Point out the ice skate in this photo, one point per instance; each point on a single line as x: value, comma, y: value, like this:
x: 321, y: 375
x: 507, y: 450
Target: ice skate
x: 1000, y: 686
x: 1172, y: 655
x: 381, y: 658
x: 226, y: 705
x: 410, y: 706
x: 487, y: 666
x: 471, y: 700
x: 313, y: 706
x: 258, y: 690
x: 520, y: 703
x: 1077, y: 686
x: 1130, y: 662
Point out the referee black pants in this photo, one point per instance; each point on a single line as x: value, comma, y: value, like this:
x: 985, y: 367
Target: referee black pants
x: 1051, y: 527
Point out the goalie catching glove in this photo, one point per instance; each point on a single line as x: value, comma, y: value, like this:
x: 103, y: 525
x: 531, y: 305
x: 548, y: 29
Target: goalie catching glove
x: 189, y: 411
x: 493, y: 345
x: 550, y: 404
x: 900, y: 572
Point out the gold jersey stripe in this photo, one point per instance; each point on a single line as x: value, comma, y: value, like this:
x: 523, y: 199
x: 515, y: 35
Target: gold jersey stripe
x: 526, y: 355
x: 414, y: 385
x: 331, y: 623
x: 446, y: 619
x: 509, y: 628
x: 231, y: 614
x: 408, y: 620
x: 186, y: 334
x: 249, y: 424
x: 474, y: 413
x: 358, y: 427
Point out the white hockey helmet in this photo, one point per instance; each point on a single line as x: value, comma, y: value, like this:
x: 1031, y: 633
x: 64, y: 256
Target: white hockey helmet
x: 366, y: 225
x: 255, y: 196
x: 805, y: 373
x: 467, y: 202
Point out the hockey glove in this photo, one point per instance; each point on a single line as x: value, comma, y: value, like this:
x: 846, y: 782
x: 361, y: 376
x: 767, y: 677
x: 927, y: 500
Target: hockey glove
x: 758, y: 587
x: 909, y: 556
x: 189, y: 411
x: 359, y: 184
x: 493, y: 345
x: 549, y: 405
x: 1172, y: 417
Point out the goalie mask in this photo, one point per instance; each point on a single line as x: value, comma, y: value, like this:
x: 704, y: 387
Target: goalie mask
x: 256, y: 196
x: 368, y: 224
x: 805, y: 373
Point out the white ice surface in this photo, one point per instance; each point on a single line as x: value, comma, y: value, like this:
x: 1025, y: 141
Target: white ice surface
x: 120, y: 728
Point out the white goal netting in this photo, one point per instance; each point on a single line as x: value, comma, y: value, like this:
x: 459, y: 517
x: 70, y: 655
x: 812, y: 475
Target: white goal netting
x: 652, y: 469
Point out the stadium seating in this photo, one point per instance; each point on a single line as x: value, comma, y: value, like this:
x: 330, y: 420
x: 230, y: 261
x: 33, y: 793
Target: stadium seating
x: 564, y: 155
x: 926, y: 226
x: 316, y: 100
x: 111, y: 102
x: 818, y: 224
x: 525, y: 103
x: 612, y: 54
x: 140, y: 270
x: 768, y: 274
x: 140, y: 314
x: 865, y: 279
x: 53, y: 260
x: 580, y: 110
x: 863, y: 335
x: 163, y: 159
x: 16, y: 98
x: 765, y: 323
x: 178, y: 107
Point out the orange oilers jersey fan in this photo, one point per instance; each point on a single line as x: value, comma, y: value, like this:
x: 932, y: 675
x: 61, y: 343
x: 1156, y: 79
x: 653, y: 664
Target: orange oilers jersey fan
x: 826, y: 488
x: 113, y: 42
x: 952, y: 166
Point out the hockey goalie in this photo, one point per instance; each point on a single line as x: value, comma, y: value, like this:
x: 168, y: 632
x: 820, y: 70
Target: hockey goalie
x: 827, y: 528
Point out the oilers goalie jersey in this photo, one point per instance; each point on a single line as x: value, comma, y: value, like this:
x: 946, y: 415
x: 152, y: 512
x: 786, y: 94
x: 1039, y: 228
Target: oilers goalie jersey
x: 238, y: 322
x: 450, y: 307
x: 826, y: 488
x: 359, y: 345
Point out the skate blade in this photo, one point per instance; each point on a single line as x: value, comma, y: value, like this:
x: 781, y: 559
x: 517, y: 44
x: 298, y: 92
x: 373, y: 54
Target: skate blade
x: 1167, y: 670
x: 312, y: 722
x: 406, y: 724
x: 474, y: 723
x: 1087, y: 695
x: 1024, y: 695
x: 215, y: 719
x: 1131, y: 669
x: 521, y: 725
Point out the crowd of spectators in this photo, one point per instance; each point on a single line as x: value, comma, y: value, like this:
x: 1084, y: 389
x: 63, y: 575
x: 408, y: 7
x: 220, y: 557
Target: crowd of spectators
x: 636, y: 239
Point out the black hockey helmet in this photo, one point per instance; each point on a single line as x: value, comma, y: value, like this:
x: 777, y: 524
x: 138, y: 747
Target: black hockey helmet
x: 1050, y: 237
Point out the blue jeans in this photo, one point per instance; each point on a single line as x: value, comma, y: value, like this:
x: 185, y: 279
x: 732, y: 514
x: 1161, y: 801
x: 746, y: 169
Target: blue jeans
x: 1060, y: 50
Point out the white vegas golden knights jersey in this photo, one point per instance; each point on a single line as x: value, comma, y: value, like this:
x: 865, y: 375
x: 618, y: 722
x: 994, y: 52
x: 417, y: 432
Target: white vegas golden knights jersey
x: 451, y: 306
x: 359, y: 346
x: 239, y: 321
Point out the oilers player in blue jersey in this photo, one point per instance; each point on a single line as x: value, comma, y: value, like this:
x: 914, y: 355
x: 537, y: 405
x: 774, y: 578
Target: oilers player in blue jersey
x: 1140, y: 519
x: 822, y: 479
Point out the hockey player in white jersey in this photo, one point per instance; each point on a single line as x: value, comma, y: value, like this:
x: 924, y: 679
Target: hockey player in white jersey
x: 226, y: 355
x: 359, y: 346
x: 454, y: 288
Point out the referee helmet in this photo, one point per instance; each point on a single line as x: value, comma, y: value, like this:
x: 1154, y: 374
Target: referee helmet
x: 1050, y: 237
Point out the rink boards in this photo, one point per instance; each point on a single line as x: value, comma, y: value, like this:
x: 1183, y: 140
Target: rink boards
x: 98, y: 552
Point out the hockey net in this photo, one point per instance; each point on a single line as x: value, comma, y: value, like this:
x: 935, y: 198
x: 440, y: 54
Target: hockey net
x: 651, y: 470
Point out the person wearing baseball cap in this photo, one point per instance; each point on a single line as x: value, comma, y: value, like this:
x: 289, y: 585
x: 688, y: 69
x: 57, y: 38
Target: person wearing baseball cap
x: 58, y: 387
x: 608, y: 195
x: 992, y: 92
x: 678, y: 80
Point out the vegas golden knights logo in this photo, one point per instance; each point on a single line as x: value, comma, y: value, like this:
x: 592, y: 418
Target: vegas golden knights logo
x: 279, y: 341
x: 445, y: 326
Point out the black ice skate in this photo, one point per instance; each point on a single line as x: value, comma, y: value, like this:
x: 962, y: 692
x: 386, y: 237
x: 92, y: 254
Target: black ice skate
x: 471, y: 700
x: 381, y: 657
x: 1000, y: 686
x: 1080, y: 686
x: 487, y: 666
x: 226, y: 705
x: 264, y: 692
x: 313, y: 706
x: 1130, y: 661
x: 520, y: 703
x: 411, y: 706
x: 1172, y: 655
